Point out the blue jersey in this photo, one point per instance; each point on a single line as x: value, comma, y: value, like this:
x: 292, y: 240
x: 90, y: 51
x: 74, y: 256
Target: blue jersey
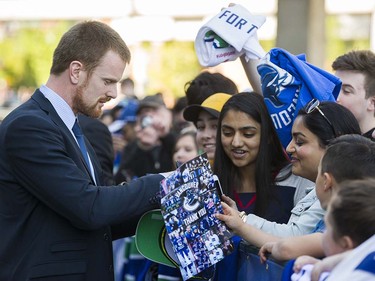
x: 289, y: 83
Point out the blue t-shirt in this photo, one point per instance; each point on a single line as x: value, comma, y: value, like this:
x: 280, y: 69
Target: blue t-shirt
x: 320, y: 227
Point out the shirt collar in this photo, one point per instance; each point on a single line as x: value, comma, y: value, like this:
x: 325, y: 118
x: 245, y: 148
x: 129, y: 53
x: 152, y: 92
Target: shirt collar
x: 64, y: 111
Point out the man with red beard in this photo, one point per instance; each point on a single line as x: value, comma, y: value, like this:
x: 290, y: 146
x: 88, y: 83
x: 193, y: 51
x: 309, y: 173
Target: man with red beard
x: 57, y: 221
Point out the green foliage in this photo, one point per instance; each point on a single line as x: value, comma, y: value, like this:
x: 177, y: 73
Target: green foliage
x: 27, y: 48
x: 175, y: 65
x: 26, y: 57
x: 26, y: 52
x: 336, y: 46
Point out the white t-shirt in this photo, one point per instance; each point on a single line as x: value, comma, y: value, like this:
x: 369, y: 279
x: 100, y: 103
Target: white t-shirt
x: 359, y: 265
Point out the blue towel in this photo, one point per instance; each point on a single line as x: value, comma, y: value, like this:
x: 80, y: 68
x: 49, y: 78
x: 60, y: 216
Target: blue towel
x: 289, y: 83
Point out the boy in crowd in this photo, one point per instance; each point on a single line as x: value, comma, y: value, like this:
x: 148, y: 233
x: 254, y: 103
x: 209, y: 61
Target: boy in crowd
x: 356, y: 69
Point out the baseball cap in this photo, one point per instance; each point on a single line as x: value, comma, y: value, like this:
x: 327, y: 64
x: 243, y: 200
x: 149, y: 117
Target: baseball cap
x: 152, y: 240
x: 129, y: 111
x: 213, y: 105
x: 153, y: 101
x: 127, y: 114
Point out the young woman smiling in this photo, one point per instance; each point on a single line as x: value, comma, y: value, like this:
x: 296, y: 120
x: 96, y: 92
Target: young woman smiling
x: 316, y: 124
x: 253, y: 167
x: 250, y: 161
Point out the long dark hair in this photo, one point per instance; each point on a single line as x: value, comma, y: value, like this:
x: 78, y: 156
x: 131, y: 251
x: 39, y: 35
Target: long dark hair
x: 206, y: 84
x: 342, y: 120
x: 271, y: 156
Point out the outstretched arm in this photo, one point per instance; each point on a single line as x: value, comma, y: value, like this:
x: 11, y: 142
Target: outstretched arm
x: 248, y: 232
x: 303, y: 220
x: 250, y: 68
x: 327, y: 264
x: 293, y: 247
x: 302, y: 261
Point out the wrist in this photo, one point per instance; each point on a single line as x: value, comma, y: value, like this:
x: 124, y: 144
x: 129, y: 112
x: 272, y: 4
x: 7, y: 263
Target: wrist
x: 242, y: 216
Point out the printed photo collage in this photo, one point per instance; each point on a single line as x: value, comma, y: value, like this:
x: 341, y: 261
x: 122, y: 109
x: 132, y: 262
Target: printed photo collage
x: 189, y: 204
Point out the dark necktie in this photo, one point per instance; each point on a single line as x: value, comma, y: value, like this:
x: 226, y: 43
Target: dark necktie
x: 81, y: 142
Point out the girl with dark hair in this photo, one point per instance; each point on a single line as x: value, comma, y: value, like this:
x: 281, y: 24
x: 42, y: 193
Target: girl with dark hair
x: 205, y: 84
x: 348, y: 157
x: 250, y: 161
x: 316, y: 124
x: 252, y: 166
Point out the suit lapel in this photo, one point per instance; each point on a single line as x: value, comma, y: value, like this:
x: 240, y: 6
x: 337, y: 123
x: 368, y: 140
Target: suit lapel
x: 46, y: 106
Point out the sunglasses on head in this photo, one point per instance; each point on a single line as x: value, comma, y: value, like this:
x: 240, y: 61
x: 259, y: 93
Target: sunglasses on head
x: 314, y: 105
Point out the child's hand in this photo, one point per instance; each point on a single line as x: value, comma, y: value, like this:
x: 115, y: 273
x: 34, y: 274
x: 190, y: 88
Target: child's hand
x: 303, y: 260
x: 327, y: 264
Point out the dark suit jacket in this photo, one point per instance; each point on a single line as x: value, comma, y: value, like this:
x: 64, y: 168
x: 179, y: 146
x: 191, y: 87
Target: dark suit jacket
x: 55, y: 224
x: 101, y: 140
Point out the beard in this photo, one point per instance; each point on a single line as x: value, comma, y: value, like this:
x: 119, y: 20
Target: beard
x: 80, y: 105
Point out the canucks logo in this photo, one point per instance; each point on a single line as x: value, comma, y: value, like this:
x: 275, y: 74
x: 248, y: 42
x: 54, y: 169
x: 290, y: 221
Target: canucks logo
x: 191, y: 200
x: 274, y: 80
x: 216, y: 40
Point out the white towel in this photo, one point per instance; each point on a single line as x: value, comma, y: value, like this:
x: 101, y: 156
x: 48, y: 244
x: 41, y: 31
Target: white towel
x: 305, y: 274
x: 228, y: 35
